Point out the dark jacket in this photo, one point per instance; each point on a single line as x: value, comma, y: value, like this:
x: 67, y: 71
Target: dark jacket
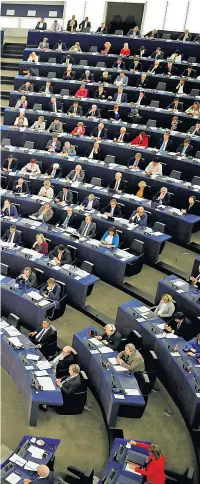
x: 168, y: 145
x: 80, y: 178
x: 103, y: 95
x: 70, y: 77
x: 16, y: 238
x: 165, y: 69
x: 97, y: 113
x: 45, y: 339
x: 51, y: 107
x: 95, y: 203
x: 78, y: 112
x: 103, y: 134
x: 71, y: 219
x: 82, y: 25
x: 69, y: 198
x: 157, y: 56
x: 45, y: 480
x: 101, y: 31
x: 24, y: 188
x: 70, y: 384
x: 58, y: 171
x: 65, y: 257
x: 193, y: 130
x: 64, y: 47
x: 193, y: 209
x: 89, y: 78
x: 143, y: 219
x: 121, y: 187
x: 12, y: 212
x: 119, y: 66
x: 31, y: 281
x: 90, y: 231
x: 164, y: 201
x: 188, y: 38
x: 13, y: 165
x: 113, y: 340
x: 96, y: 156
x: 43, y: 88
x: 54, y: 295
x: 130, y: 32
x: 71, y: 59
x: 192, y: 74
x: 188, y: 151
x: 63, y: 365
x: 123, y: 97
x: 117, y: 210
x: 108, y: 80
x: 44, y: 26
x: 179, y: 107
x: 69, y: 26
x: 185, y: 330
x: 57, y: 147
x: 142, y: 84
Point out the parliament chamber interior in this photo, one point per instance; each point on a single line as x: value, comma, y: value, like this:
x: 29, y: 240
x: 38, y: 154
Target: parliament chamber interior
x: 100, y: 242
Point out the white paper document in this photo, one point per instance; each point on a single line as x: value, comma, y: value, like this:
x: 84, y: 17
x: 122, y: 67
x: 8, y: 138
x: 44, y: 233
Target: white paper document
x: 18, y: 460
x: 143, y: 309
x: 41, y: 373
x: 94, y: 352
x: 160, y: 335
x: 15, y: 341
x: 43, y: 365
x: 30, y: 356
x: 3, y: 324
x: 31, y: 466
x: 119, y: 396
x: 171, y: 335
x: 44, y: 302
x: 119, y: 368
x: 113, y: 360
x: 105, y: 349
x: 12, y: 331
x: 46, y: 383
x: 180, y: 291
x: 1, y: 277
x: 132, y: 391
x: 129, y: 469
x: 140, y: 320
x: 95, y: 342
x: 13, y: 478
x: 29, y: 367
x: 35, y: 452
x: 179, y: 283
x: 161, y: 326
x: 35, y: 295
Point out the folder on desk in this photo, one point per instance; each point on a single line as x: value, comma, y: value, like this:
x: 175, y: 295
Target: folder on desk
x: 136, y: 458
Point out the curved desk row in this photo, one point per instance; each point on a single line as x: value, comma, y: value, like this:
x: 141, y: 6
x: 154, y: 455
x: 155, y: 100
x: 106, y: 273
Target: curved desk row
x: 187, y: 297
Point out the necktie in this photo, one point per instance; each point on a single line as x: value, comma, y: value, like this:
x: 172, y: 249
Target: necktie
x: 184, y: 149
x: 163, y: 146
x: 53, y: 173
x: 119, y: 98
x: 40, y: 334
x: 120, y: 137
x: 84, y: 232
x: 116, y: 185
x: 10, y: 238
x: 66, y: 221
x: 64, y: 197
x: 99, y: 134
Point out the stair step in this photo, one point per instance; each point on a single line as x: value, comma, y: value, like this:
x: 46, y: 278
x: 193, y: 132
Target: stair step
x: 7, y: 80
x: 12, y: 56
x: 5, y: 95
x: 10, y: 67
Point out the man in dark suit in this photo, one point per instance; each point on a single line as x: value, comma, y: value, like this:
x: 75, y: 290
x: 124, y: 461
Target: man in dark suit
x: 26, y: 87
x: 185, y: 148
x: 189, y: 72
x: 60, y: 255
x: 85, y: 24
x: 71, y: 383
x: 122, y: 137
x: 60, y: 46
x: 93, y: 112
x: 68, y: 218
x: 20, y: 186
x: 176, y: 105
x: 111, y: 337
x: 102, y: 29
x: 41, y: 25
x: 143, y: 81
x: 87, y: 227
x: 72, y: 24
x: 62, y: 362
x: 119, y: 96
x: 136, y: 64
x: 27, y: 277
x: 43, y: 337
x: 51, y: 290
x: 47, y: 88
x: 119, y: 64
x: 157, y: 54
x: 53, y: 144
x: 192, y: 207
x: 139, y: 217
x: 112, y: 209
x: 10, y: 164
x: 86, y: 76
x: 43, y: 473
x: 117, y: 184
x: 179, y: 325
x: 12, y: 235
x: 9, y: 210
x: 54, y: 171
x: 55, y: 106
x: 75, y: 109
x: 141, y: 99
x: 135, y: 32
x: 195, y: 130
x: 65, y: 195
x: 185, y: 36
x: 162, y: 197
x: 91, y: 202
x: 99, y: 132
x: 69, y: 75
x: 169, y: 69
x: 165, y: 143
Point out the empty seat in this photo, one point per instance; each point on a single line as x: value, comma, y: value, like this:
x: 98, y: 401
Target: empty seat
x: 175, y: 174
x: 18, y: 207
x: 13, y: 320
x: 83, y: 62
x: 29, y: 145
x: 93, y: 48
x: 192, y: 60
x: 154, y: 104
x: 64, y: 92
x: 159, y: 227
x: 151, y: 366
x: 195, y: 180
x: 51, y: 75
x: 96, y: 181
x: 87, y: 266
x: 40, y: 276
x: 166, y: 36
x: 109, y: 159
x: 37, y: 107
x: 86, y: 29
x: 73, y: 252
x: 194, y: 92
x: 4, y: 269
x: 4, y: 182
x: 5, y: 142
x: 135, y: 338
x: 151, y: 123
x: 197, y: 155
x: 75, y: 196
x: 137, y: 247
x: 101, y: 64
x: 52, y: 60
x: 161, y: 86
x: 118, y: 32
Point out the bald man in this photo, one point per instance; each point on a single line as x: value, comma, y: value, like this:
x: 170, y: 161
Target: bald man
x: 62, y: 361
x: 43, y: 473
x: 139, y: 217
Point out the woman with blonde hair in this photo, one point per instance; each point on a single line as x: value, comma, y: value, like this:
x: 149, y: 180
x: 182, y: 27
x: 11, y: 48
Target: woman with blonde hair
x: 142, y: 185
x: 33, y: 57
x: 166, y: 307
x: 22, y: 103
x: 154, y: 470
x: 40, y: 245
x: 107, y: 47
x: 76, y: 47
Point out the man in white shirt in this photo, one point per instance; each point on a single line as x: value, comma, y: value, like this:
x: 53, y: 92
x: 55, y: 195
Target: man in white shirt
x: 56, y: 27
x: 121, y: 80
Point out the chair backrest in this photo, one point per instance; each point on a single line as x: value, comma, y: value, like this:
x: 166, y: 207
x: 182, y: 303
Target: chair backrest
x: 166, y: 36
x: 37, y: 107
x: 161, y: 86
x: 73, y: 252
x: 159, y: 227
x: 135, y: 338
x: 192, y: 60
x: 39, y: 163
x: 29, y: 145
x: 151, y: 123
x: 83, y: 62
x: 96, y: 181
x: 100, y: 64
x: 4, y: 269
x: 93, y: 48
x: 175, y: 174
x: 14, y: 320
x: 144, y: 384
x: 197, y: 155
x: 63, y: 288
x: 51, y: 75
x: 40, y: 275
x: 154, y: 104
x: 4, y: 181
x: 64, y: 92
x: 137, y: 246
x: 87, y: 266
x: 118, y: 32
x: 52, y: 60
x: 109, y: 159
x: 5, y: 142
x: 18, y: 207
x: 194, y: 92
x: 86, y: 29
x: 195, y: 180
x: 75, y: 196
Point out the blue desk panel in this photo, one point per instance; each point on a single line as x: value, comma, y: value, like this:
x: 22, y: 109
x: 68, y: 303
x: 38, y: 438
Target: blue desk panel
x: 185, y: 301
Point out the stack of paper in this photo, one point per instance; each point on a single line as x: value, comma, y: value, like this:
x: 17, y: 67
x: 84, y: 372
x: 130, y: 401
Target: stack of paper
x: 3, y: 324
x: 31, y: 466
x: 105, y: 349
x: 15, y: 341
x: 43, y: 365
x: 18, y: 460
x: 46, y: 383
x: 32, y: 357
x: 12, y: 331
x: 36, y: 452
x: 13, y: 478
x: 132, y: 391
x: 44, y: 302
x: 35, y: 295
x: 95, y: 341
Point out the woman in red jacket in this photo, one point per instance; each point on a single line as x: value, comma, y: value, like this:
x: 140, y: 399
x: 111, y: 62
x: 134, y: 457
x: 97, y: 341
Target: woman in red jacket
x: 79, y: 130
x: 125, y: 51
x: 41, y: 245
x: 155, y: 467
x: 140, y: 140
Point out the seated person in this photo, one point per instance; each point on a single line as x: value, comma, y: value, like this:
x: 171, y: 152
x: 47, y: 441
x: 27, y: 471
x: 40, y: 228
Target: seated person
x: 22, y: 103
x: 51, y: 290
x: 39, y: 124
x: 75, y: 109
x: 62, y: 361
x: 110, y: 239
x: 119, y: 63
x: 189, y: 72
x: 176, y: 105
x: 60, y: 255
x: 139, y: 217
x: 76, y: 47
x: 174, y: 123
x: 119, y: 96
x: 179, y: 325
x: 185, y: 148
x: 142, y: 185
x: 69, y: 75
x: 169, y: 69
x: 33, y: 57
x: 27, y: 277
x: 114, y: 114
x: 53, y: 144
x: 60, y: 46
x: 162, y: 197
x: 67, y: 59
x: 165, y: 143
x: 141, y: 99
x: 27, y: 87
x: 68, y: 150
x: 176, y: 56
x: 143, y: 81
x: 81, y: 92
x: 76, y: 175
x: 131, y: 359
x: 47, y: 88
x: 79, y: 130
x: 93, y: 153
x: 193, y: 110
x: 45, y: 213
x: 54, y: 171
x: 41, y: 25
x: 117, y: 183
x: 55, y: 127
x: 72, y: 24
x: 140, y: 140
x: 102, y: 29
x: 195, y: 280
x: 111, y: 337
x: 12, y: 235
x: 56, y: 27
x: 121, y: 80
x: 157, y: 54
x: 86, y: 76
x: 156, y: 68
x: 107, y: 47
x: 65, y: 195
x: 154, y: 168
x: 21, y: 121
x: 20, y: 186
x: 32, y: 167
x: 43, y: 337
x: 194, y: 347
x: 46, y: 190
x: 112, y: 209
x: 93, y: 112
x: 105, y: 78
x: 10, y: 164
x: 85, y: 24
x: 123, y: 137
x: 71, y: 383
x: 87, y: 227
x: 136, y: 65
x: 68, y: 218
x: 192, y: 207
x: 91, y: 202
x: 153, y: 35
x: 166, y: 307
x: 180, y: 88
x: 125, y: 51
x: 154, y: 466
x: 185, y: 36
x: 40, y: 245
x: 195, y: 130
x: 55, y: 106
x: 135, y: 162
x: 135, y: 32
x: 100, y: 93
x: 44, y: 44
x: 99, y: 132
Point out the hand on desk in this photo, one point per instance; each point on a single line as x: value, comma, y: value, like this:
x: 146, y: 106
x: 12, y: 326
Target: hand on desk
x: 58, y: 382
x: 33, y: 333
x: 56, y: 260
x: 184, y: 211
x: 168, y: 328
x: 132, y: 442
x: 27, y: 481
x: 104, y: 342
x: 98, y: 337
x: 119, y: 361
x: 132, y: 465
x: 38, y: 346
